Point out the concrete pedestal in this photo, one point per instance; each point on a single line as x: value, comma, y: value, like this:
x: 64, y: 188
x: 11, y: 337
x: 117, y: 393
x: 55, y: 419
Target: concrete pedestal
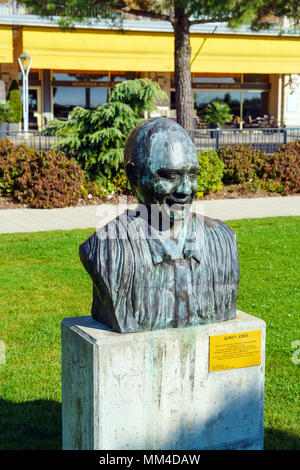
x: 154, y: 390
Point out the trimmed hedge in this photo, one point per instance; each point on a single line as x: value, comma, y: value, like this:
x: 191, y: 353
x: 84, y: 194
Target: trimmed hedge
x: 277, y: 172
x: 284, y: 167
x: 242, y: 163
x: 50, y: 179
x: 39, y: 179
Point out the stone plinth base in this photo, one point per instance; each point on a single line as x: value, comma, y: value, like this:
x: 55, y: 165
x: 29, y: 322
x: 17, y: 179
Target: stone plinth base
x: 154, y: 390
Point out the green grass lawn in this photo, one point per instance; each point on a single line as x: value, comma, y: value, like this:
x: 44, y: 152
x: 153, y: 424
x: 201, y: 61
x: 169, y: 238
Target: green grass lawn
x: 42, y: 282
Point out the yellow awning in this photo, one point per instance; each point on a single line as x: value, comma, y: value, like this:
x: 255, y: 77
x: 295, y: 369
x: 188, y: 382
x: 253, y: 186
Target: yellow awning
x: 6, y: 44
x: 98, y: 50
x: 83, y: 49
x: 245, y: 54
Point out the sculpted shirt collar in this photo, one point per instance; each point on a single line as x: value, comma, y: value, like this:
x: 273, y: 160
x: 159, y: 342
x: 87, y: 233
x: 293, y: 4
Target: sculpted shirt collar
x: 162, y: 248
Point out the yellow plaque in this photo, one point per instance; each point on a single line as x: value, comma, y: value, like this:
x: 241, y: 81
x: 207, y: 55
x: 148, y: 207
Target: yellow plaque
x: 235, y: 350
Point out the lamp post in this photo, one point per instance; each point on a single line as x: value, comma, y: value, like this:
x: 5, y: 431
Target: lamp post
x: 25, y: 63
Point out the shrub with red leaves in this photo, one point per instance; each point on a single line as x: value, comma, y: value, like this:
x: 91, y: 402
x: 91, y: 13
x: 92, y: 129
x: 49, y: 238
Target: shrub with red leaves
x: 43, y: 180
x: 242, y: 163
x: 284, y: 166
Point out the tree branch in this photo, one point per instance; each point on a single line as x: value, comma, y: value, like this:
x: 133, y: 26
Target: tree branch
x: 148, y: 14
x: 210, y: 20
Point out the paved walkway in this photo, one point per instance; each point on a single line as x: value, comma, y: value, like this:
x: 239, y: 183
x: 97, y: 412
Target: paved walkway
x: 36, y: 220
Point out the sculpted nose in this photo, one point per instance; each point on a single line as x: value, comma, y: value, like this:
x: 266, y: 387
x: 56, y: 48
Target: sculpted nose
x: 185, y: 187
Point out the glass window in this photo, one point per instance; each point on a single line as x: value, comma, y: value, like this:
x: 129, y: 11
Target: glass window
x: 32, y: 75
x: 99, y: 77
x: 203, y: 98
x: 216, y: 79
x: 118, y: 78
x: 253, y: 104
x: 255, y: 78
x: 63, y: 77
x: 80, y: 77
x: 122, y: 76
x: 211, y: 78
x: 98, y: 96
x: 66, y: 98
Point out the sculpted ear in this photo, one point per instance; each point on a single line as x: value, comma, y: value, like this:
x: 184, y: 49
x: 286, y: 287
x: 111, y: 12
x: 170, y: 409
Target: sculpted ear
x: 131, y: 172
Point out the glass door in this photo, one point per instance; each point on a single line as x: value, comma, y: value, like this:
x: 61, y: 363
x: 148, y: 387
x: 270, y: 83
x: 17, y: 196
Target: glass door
x: 34, y: 108
x: 35, y: 115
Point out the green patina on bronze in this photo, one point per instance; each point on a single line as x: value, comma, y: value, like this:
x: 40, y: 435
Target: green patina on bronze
x: 162, y: 266
x: 161, y: 163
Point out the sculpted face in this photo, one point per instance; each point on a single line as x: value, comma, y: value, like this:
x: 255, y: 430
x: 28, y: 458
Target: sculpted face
x: 163, y: 167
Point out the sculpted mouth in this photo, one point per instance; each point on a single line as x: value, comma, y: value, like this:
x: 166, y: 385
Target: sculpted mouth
x: 178, y: 202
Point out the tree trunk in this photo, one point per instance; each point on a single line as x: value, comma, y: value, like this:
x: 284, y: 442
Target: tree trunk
x: 183, y: 81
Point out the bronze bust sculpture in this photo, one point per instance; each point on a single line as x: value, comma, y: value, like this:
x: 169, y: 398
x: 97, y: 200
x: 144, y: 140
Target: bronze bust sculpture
x: 162, y: 266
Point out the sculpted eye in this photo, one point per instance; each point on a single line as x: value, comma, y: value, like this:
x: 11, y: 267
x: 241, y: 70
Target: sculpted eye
x: 167, y: 174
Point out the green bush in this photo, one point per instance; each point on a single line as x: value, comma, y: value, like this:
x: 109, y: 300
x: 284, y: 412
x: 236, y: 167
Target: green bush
x: 242, y: 163
x: 210, y: 173
x: 121, y: 183
x: 92, y: 189
x: 14, y: 106
x: 256, y: 186
x: 39, y: 179
x: 4, y: 112
x: 270, y: 185
x: 14, y: 103
x: 283, y: 167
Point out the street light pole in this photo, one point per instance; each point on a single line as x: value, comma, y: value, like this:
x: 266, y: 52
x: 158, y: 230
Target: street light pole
x: 25, y: 63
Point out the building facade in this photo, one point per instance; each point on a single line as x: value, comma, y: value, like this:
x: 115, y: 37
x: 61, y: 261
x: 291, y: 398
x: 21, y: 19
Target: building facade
x: 258, y: 75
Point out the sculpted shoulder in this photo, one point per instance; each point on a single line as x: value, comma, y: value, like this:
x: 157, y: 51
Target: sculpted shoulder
x: 218, y: 225
x: 112, y: 235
